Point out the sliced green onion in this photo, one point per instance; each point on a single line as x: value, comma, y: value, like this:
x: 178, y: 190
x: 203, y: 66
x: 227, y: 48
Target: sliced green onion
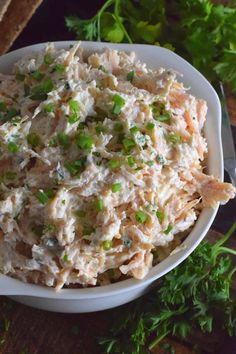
x: 160, y: 215
x: 47, y: 59
x: 48, y: 108
x: 63, y: 139
x: 74, y: 106
x: 118, y: 126
x: 65, y: 258
x: 33, y: 139
x: 39, y: 92
x: 48, y: 228
x: 52, y: 142
x: 150, y: 126
x: 128, y: 144
x: 98, y: 205
x: 134, y: 130
x: 140, y: 217
x: 20, y: 77
x: 37, y: 75
x: 116, y: 187
x: 50, y: 192
x: 114, y: 164
x: 162, y: 118
x: 107, y: 245
x: 59, y: 68
x: 168, y: 229
x: 130, y: 76
x: 84, y: 141
x: 131, y: 161
x: 42, y: 197
x: 160, y: 159
x: 173, y: 138
x: 119, y: 102
x: 75, y: 166
x: 12, y: 147
x: 73, y: 118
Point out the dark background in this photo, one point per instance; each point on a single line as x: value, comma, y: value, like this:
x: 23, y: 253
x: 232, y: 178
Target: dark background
x: 48, y: 24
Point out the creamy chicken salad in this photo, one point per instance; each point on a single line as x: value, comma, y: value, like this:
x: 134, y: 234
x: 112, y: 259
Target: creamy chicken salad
x: 101, y: 166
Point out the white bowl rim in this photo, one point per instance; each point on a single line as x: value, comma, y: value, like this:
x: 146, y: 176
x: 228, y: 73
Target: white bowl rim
x: 13, y: 286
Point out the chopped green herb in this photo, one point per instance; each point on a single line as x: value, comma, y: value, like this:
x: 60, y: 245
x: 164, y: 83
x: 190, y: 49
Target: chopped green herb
x: 162, y: 118
x: 81, y: 213
x: 12, y: 147
x: 3, y: 106
x: 63, y: 202
x: 141, y: 217
x: 73, y: 118
x: 168, y: 229
x: 119, y: 102
x: 160, y: 159
x: 33, y: 139
x: 98, y: 205
x: 47, y: 59
x: 65, y: 258
x: 48, y: 108
x: 107, y: 245
x: 20, y: 77
x: 116, y: 187
x: 150, y: 163
x: 76, y: 166
x: 37, y: 75
x: 130, y: 76
x: 74, y: 106
x: 128, y: 144
x: 39, y: 92
x: 134, y: 130
x: 114, y: 164
x: 150, y: 126
x: 118, y: 126
x: 173, y: 138
x: 131, y: 161
x: 84, y: 141
x: 42, y: 197
x: 63, y: 139
x: 59, y: 68
x: 160, y: 215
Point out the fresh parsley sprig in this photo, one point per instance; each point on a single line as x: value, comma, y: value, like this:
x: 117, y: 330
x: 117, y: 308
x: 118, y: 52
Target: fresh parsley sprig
x: 191, y: 297
x: 203, y: 32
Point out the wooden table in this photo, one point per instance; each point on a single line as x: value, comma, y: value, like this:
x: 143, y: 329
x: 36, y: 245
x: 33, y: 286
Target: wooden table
x: 29, y: 331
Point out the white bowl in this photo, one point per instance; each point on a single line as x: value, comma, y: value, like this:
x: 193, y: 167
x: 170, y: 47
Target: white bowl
x: 104, y: 297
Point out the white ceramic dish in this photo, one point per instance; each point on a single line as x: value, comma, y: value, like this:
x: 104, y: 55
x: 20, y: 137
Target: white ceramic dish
x: 104, y: 297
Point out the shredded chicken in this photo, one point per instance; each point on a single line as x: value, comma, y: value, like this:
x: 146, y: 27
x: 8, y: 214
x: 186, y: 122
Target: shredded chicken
x: 101, y: 167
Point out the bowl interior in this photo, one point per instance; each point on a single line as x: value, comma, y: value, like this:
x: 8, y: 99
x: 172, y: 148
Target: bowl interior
x: 154, y: 57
